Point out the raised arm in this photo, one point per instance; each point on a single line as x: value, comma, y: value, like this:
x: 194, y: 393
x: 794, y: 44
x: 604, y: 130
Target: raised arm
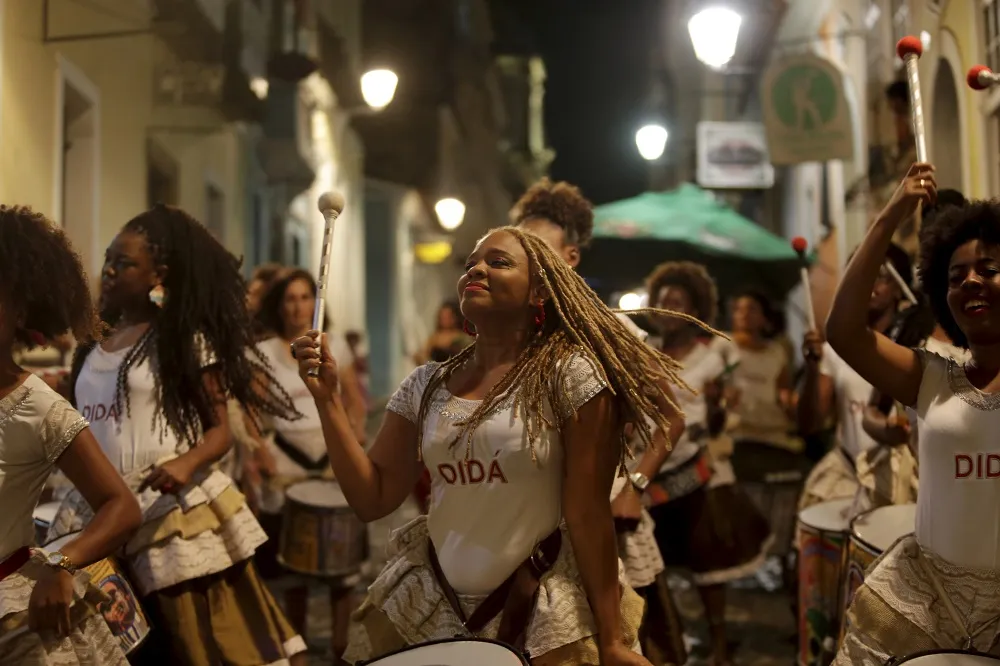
x: 376, y: 482
x: 815, y: 403
x: 893, y: 369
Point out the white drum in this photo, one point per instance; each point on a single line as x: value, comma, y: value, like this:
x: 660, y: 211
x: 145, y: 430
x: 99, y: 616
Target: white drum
x: 454, y: 652
x: 948, y: 658
x: 43, y: 516
x: 882, y: 527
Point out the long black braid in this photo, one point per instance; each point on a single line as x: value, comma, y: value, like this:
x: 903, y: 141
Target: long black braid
x: 203, y: 321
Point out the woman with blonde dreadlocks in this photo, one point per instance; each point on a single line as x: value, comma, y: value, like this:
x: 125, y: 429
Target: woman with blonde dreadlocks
x: 522, y: 433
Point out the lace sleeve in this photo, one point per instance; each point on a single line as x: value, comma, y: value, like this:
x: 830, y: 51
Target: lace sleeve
x: 406, y: 400
x: 59, y: 428
x: 579, y: 380
x: 203, y: 349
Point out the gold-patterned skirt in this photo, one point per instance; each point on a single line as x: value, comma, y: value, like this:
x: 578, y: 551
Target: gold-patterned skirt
x: 903, y: 608
x: 90, y: 642
x: 406, y: 606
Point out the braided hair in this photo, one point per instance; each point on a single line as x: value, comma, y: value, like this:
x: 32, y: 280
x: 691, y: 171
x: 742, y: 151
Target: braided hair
x: 576, y: 322
x: 203, y: 321
x: 43, y: 284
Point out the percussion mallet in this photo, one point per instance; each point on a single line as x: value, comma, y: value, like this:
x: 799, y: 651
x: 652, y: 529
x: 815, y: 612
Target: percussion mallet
x: 898, y: 279
x: 981, y: 77
x: 331, y: 205
x: 800, y: 245
x: 909, y: 49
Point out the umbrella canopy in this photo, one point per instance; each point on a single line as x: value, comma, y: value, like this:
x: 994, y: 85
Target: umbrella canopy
x: 632, y: 236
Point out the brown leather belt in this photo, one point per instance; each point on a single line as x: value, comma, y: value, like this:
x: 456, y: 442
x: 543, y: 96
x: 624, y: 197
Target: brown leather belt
x: 515, y: 597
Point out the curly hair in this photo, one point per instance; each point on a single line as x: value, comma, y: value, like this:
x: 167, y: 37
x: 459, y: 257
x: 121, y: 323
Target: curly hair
x: 269, y: 317
x: 204, y: 317
x: 692, y: 278
x: 43, y: 286
x: 562, y: 204
x: 576, y: 322
x: 951, y: 228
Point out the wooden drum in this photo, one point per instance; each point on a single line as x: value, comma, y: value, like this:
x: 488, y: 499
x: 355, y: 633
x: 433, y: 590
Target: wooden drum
x: 321, y: 535
x: 122, y: 612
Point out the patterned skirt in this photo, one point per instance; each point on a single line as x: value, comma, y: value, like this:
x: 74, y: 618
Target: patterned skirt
x: 638, y: 550
x: 833, y: 477
x: 913, y: 601
x: 406, y: 606
x: 90, y: 642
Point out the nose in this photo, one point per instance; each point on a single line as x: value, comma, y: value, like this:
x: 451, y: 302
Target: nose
x: 972, y: 282
x: 477, y: 270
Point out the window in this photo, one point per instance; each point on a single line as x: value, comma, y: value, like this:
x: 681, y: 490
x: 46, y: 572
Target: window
x: 991, y: 21
x: 215, y: 210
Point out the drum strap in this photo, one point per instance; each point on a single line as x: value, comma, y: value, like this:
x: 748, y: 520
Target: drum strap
x: 299, y: 458
x: 14, y: 561
x: 515, y: 597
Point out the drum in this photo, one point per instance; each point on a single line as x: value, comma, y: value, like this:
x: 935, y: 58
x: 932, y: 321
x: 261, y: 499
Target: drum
x: 872, y: 533
x: 453, y: 652
x: 43, y: 516
x: 947, y: 658
x: 321, y: 535
x: 821, y: 536
x: 122, y: 612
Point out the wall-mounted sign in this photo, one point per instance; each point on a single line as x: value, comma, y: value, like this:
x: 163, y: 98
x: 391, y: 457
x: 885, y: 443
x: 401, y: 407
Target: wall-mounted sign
x: 733, y: 155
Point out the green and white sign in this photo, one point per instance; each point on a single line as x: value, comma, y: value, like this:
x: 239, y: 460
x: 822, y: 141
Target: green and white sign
x: 806, y: 115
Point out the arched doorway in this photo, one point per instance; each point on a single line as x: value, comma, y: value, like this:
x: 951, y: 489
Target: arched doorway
x: 945, y: 131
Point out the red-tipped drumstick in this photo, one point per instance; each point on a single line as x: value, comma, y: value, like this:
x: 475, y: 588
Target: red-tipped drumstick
x: 981, y: 77
x: 800, y: 245
x: 909, y: 49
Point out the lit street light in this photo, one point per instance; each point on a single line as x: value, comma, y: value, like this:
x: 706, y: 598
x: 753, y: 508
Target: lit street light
x: 630, y: 301
x: 651, y: 141
x: 378, y: 87
x: 450, y: 212
x: 714, y: 32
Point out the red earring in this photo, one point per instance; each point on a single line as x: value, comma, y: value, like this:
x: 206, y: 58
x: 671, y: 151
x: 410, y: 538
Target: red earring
x: 468, y: 329
x: 540, y: 316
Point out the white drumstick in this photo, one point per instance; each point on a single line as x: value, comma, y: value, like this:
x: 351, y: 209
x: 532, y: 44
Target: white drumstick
x: 331, y: 205
x: 909, y: 49
x: 905, y: 288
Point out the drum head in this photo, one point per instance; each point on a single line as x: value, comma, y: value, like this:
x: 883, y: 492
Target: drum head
x: 949, y: 658
x: 880, y: 528
x: 45, y: 513
x: 317, y: 492
x: 829, y: 516
x: 454, y: 652
x: 56, y: 544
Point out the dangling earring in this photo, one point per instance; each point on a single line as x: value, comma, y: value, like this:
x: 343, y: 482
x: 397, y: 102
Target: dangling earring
x: 157, y: 295
x: 468, y: 329
x: 540, y: 316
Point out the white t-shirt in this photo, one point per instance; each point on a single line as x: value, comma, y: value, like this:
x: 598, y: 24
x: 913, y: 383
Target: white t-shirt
x: 36, y: 426
x: 852, y: 394
x: 761, y: 416
x: 487, y: 512
x: 305, y: 434
x: 958, y: 507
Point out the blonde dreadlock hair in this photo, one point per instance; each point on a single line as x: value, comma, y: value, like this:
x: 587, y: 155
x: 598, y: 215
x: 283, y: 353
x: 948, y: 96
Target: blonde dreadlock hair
x: 576, y: 322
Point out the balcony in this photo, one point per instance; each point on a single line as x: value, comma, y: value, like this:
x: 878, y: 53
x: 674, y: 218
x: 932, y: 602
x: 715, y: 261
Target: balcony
x: 294, y: 52
x: 192, y: 29
x: 285, y: 153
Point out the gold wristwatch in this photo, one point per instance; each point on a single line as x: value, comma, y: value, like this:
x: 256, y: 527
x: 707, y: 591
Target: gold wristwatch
x: 57, y: 560
x: 639, y: 481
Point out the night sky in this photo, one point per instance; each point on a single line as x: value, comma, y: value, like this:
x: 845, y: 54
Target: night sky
x: 598, y: 57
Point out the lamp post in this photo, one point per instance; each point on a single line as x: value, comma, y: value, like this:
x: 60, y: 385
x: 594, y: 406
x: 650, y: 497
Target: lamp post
x: 450, y: 213
x: 714, y: 32
x: 651, y: 140
x: 378, y: 87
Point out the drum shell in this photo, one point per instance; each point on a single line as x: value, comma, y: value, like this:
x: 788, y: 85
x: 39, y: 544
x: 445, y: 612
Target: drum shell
x: 821, y: 553
x: 327, y: 542
x: 109, y: 577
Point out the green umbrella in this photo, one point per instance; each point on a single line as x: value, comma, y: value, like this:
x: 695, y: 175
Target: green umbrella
x: 632, y: 236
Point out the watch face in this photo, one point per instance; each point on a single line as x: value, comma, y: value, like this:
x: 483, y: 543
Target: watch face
x: 55, y: 559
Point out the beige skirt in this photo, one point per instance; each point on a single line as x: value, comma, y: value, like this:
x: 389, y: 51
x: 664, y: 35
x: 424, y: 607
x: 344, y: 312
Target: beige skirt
x: 406, y: 606
x: 90, y: 642
x: 638, y: 550
x: 832, y: 478
x: 901, y: 608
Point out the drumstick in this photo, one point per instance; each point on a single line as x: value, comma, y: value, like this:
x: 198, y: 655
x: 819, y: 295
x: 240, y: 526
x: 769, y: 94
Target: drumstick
x: 981, y: 77
x: 905, y: 288
x: 331, y: 205
x: 800, y: 245
x: 909, y: 49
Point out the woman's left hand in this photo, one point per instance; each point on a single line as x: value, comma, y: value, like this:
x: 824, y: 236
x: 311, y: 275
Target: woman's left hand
x: 620, y: 655
x: 49, y: 606
x: 169, y: 477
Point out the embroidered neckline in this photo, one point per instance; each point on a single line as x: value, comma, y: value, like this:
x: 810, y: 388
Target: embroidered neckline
x: 13, y: 401
x: 960, y: 385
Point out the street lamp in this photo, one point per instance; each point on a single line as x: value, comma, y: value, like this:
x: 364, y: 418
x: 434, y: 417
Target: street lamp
x: 651, y: 141
x: 630, y: 301
x: 714, y: 32
x: 378, y: 87
x: 450, y: 212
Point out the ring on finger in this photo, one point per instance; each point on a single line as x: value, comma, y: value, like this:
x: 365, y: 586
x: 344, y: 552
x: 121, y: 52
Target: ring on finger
x: 292, y: 346
x: 922, y: 181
